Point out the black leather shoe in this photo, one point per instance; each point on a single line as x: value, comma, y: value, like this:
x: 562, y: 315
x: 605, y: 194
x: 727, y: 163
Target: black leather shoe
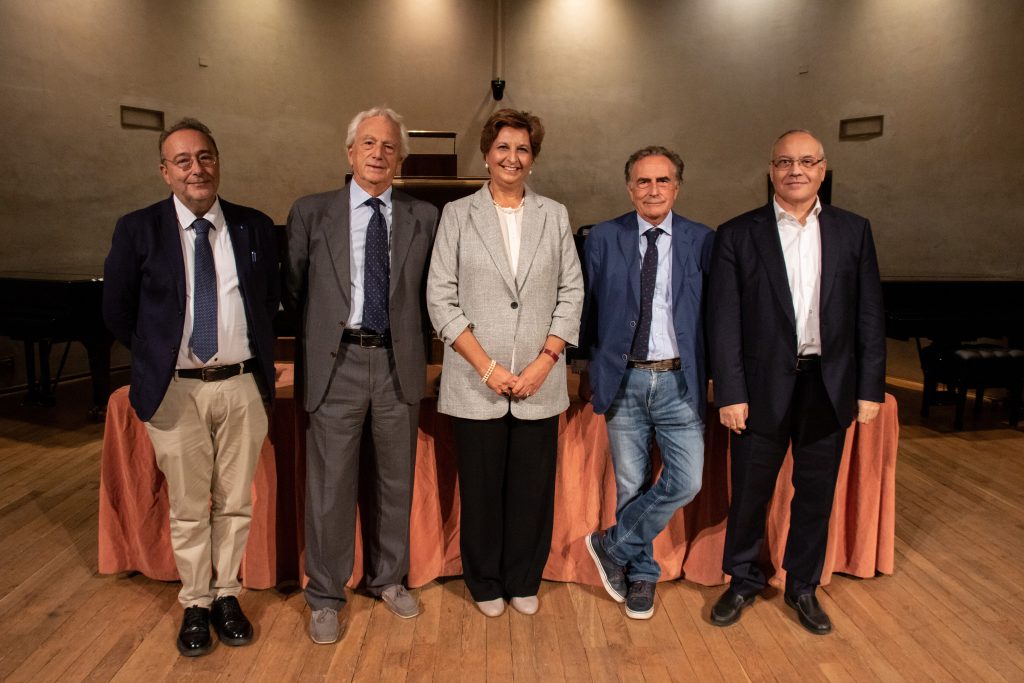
x: 729, y: 608
x: 812, y: 616
x: 230, y: 623
x: 194, y: 635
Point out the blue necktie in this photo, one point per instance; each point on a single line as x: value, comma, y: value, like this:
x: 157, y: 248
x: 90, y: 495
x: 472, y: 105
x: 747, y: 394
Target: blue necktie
x: 204, y: 297
x: 648, y: 276
x: 376, y: 271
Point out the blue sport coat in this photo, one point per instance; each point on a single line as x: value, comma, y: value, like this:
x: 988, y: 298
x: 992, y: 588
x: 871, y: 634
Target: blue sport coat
x: 611, y: 306
x: 144, y: 293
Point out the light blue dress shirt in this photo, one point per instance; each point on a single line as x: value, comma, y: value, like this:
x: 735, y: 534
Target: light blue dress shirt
x: 662, y: 345
x: 358, y: 221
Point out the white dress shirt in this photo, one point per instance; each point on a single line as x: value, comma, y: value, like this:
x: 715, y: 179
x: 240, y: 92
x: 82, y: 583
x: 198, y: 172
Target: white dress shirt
x: 232, y: 330
x: 801, y: 247
x: 662, y: 344
x: 359, y: 214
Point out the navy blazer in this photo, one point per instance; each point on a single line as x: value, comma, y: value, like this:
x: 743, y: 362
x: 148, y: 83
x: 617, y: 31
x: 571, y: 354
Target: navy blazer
x: 611, y: 307
x: 144, y: 293
x: 752, y: 325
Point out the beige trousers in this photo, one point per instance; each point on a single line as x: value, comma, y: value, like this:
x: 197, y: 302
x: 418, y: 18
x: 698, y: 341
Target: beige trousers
x: 207, y: 438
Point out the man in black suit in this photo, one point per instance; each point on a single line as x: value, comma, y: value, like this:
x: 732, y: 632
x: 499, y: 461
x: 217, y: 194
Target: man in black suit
x: 191, y: 288
x: 797, y: 351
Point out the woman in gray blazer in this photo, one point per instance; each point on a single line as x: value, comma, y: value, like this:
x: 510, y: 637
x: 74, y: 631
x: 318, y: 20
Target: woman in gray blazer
x: 505, y: 292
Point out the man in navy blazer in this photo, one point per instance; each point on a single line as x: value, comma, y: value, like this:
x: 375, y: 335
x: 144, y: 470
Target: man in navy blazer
x: 645, y: 275
x: 797, y: 340
x: 191, y: 288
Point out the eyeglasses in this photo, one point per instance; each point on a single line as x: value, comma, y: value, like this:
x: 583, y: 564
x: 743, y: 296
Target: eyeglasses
x: 646, y: 183
x: 785, y: 163
x: 205, y: 159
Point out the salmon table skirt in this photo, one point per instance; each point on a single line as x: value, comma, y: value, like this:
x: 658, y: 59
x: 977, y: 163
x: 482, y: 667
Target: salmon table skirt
x: 134, y: 531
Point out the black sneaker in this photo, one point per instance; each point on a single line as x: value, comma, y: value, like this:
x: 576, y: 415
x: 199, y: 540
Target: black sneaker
x: 640, y: 600
x: 613, y: 576
x: 194, y: 634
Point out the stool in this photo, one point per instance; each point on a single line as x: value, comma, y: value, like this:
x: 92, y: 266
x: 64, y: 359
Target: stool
x: 972, y: 366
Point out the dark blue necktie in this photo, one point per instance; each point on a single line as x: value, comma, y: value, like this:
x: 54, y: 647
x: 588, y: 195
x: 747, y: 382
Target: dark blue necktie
x: 204, y: 296
x: 376, y: 271
x: 648, y: 276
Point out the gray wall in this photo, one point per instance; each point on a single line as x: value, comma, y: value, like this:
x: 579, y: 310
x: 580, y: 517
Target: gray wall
x: 715, y: 79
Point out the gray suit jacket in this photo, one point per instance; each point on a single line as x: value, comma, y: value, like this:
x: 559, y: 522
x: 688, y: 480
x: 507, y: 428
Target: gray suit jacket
x: 318, y: 283
x: 471, y: 285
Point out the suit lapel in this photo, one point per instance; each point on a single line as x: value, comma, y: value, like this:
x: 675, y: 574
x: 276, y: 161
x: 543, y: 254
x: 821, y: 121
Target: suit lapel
x: 240, y: 239
x: 170, y: 243
x: 402, y: 230
x: 534, y: 218
x: 629, y: 245
x: 337, y: 234
x: 765, y: 234
x: 682, y: 258
x: 829, y: 232
x: 485, y: 220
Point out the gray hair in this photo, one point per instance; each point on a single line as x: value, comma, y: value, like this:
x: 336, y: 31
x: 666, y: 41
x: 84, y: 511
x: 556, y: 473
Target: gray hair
x: 186, y: 124
x: 794, y: 131
x: 655, y: 151
x: 388, y: 113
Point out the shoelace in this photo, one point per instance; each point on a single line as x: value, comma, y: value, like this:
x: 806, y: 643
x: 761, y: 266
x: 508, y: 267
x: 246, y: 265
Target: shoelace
x: 195, y: 619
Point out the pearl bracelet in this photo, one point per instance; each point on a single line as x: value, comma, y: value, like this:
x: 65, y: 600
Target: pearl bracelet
x: 490, y: 369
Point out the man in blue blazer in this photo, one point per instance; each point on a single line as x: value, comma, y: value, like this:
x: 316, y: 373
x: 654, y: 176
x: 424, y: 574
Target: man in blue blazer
x: 191, y: 288
x: 796, y: 329
x: 645, y: 275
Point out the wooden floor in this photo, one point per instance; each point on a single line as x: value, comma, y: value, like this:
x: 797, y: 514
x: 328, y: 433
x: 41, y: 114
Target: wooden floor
x: 953, y: 611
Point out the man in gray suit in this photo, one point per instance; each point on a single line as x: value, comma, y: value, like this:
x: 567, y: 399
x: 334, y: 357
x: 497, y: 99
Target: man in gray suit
x: 357, y: 262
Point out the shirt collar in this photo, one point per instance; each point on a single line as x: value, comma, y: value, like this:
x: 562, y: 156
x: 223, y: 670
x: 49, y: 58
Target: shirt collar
x: 781, y: 214
x: 186, y: 218
x: 665, y: 225
x: 358, y: 196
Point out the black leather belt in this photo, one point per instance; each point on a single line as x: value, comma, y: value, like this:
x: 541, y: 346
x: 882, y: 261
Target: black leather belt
x: 367, y: 340
x: 217, y: 373
x: 805, y: 363
x: 656, y: 365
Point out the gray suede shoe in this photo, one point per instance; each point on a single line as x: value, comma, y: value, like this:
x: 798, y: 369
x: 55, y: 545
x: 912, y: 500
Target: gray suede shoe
x: 324, y: 628
x: 400, y: 601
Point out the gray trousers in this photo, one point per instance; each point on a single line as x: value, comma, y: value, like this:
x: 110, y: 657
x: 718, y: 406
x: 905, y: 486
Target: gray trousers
x: 363, y: 391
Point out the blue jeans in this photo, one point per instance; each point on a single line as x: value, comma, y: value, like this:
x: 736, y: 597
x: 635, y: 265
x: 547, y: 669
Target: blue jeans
x: 651, y: 404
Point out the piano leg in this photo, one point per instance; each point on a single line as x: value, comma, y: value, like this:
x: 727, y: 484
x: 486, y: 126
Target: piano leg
x: 39, y: 391
x: 99, y: 369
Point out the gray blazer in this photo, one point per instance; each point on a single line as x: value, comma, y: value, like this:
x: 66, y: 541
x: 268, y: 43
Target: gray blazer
x: 471, y: 285
x: 318, y: 282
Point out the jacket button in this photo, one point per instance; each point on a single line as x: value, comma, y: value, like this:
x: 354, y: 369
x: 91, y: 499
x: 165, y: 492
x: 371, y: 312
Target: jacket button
x: 632, y: 323
x: 515, y: 305
x: 333, y: 354
x: 625, y: 356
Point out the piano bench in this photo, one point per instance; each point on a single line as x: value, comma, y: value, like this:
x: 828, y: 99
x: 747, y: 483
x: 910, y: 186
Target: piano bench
x: 972, y: 366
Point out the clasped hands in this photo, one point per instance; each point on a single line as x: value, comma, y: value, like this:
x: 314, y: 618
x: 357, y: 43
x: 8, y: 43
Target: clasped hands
x: 523, y: 385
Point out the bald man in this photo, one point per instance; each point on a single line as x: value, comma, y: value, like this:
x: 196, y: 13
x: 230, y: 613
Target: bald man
x: 797, y: 346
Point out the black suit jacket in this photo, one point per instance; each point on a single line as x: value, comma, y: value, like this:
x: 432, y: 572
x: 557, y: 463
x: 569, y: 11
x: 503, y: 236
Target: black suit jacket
x: 752, y: 326
x: 144, y: 293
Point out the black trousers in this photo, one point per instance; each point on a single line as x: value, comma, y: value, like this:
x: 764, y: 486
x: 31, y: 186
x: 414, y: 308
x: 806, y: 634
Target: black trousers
x: 507, y: 491
x: 817, y: 438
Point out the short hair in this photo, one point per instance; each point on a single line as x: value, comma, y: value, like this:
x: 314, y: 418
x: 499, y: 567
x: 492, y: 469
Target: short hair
x: 511, y: 118
x: 793, y: 131
x: 186, y: 124
x: 655, y: 151
x: 389, y: 114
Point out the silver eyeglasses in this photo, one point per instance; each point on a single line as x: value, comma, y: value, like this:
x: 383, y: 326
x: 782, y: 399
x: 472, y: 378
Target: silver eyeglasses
x: 205, y: 159
x: 785, y: 163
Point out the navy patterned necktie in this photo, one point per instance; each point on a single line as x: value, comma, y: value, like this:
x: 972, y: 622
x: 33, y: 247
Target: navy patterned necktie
x: 204, y: 296
x: 376, y: 271
x: 648, y: 276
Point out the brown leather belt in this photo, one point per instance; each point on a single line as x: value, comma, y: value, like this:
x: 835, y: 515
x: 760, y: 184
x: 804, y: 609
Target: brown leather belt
x: 217, y: 373
x: 806, y: 363
x: 367, y: 340
x: 656, y: 365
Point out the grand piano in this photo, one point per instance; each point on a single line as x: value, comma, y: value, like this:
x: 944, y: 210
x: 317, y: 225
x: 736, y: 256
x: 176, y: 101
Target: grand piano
x: 954, y: 315
x: 41, y: 309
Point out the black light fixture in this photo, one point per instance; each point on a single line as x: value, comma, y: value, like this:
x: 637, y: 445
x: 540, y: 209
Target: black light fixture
x: 498, y: 88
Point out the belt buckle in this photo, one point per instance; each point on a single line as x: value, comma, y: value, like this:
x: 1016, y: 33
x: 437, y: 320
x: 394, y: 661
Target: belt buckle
x: 204, y: 376
x: 364, y: 344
